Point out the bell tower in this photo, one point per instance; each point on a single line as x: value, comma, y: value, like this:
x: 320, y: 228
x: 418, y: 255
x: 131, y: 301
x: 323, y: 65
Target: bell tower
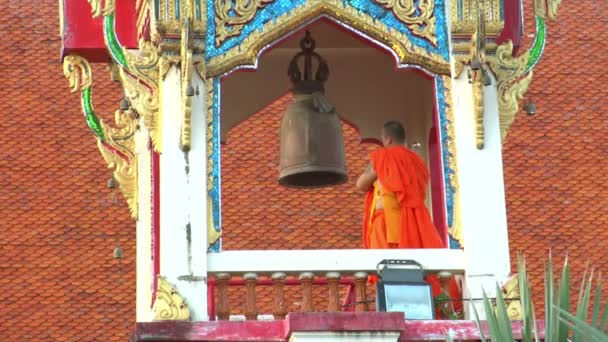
x: 181, y: 67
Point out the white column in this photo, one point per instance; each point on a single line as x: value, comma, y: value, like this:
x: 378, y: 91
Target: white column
x: 482, y: 196
x: 144, y: 226
x: 183, y: 195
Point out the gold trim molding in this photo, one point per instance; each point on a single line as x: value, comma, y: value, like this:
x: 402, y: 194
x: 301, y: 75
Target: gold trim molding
x: 169, y: 304
x: 247, y: 52
x: 420, y: 18
x: 455, y: 229
x: 229, y: 26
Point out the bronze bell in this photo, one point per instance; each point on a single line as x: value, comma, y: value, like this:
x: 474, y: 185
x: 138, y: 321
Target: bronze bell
x: 312, y: 146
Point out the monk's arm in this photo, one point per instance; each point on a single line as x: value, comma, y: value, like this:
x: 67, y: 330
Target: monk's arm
x: 367, y: 178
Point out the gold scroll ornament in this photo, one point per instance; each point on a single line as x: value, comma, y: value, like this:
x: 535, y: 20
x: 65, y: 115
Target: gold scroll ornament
x: 169, y: 304
x: 246, y: 53
x: 232, y: 15
x: 118, y: 147
x: 420, y: 17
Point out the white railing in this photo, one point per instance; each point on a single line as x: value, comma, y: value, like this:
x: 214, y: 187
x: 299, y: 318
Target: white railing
x: 307, y: 268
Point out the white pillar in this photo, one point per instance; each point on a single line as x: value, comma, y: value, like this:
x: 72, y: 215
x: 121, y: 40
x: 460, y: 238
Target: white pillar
x: 183, y: 195
x: 482, y: 196
x: 144, y: 226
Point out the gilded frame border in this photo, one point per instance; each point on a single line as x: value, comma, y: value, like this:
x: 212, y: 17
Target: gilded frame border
x: 243, y: 51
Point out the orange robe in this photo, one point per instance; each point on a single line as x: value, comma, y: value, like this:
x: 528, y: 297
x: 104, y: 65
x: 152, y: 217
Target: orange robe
x: 403, y: 179
x: 404, y: 220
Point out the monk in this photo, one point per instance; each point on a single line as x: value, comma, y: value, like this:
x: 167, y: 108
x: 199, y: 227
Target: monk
x: 396, y: 181
x: 396, y: 216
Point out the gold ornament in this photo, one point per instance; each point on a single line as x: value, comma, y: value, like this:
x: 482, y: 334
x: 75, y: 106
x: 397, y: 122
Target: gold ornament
x: 511, y: 294
x: 141, y: 86
x: 169, y: 304
x: 418, y: 17
x: 513, y: 74
x: 464, y: 20
x: 456, y: 228
x: 212, y: 234
x: 124, y: 165
x: 246, y: 53
x: 186, y: 77
x: 97, y: 8
x: 228, y: 25
x: 118, y: 144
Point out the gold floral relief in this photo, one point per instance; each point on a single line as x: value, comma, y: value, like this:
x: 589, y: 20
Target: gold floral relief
x: 247, y: 52
x: 169, y: 304
x: 232, y: 15
x: 419, y: 17
x: 99, y: 7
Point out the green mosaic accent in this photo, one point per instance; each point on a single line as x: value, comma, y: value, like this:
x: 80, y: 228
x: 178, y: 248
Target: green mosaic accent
x: 539, y: 43
x: 89, y: 114
x: 112, y: 43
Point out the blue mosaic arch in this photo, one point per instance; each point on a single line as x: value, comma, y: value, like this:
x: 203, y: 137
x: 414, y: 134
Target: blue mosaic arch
x: 269, y: 24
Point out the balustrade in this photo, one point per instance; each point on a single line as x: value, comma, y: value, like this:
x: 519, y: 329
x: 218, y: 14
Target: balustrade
x: 307, y: 279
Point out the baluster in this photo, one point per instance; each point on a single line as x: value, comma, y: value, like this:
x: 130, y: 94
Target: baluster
x: 278, y: 280
x: 223, y: 306
x: 251, y: 312
x: 447, y: 308
x: 306, y: 279
x: 332, y: 280
x: 360, y: 294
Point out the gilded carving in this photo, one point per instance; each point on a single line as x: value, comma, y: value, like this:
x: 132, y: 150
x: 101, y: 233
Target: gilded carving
x: 511, y: 294
x: 232, y: 15
x: 141, y: 86
x: 116, y: 143
x: 478, y: 109
x: 464, y: 17
x: 419, y: 17
x: 124, y: 164
x: 186, y: 77
x: 455, y: 229
x: 514, y: 73
x: 169, y: 304
x: 478, y: 76
x: 247, y: 52
x: 212, y: 234
x: 99, y: 7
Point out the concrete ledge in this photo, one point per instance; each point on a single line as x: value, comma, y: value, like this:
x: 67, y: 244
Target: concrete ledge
x: 370, y: 323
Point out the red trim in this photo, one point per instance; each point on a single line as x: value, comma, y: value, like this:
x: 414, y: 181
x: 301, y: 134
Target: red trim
x: 315, y: 322
x: 513, y: 24
x: 83, y: 35
x: 437, y: 187
x: 155, y: 221
x: 211, y: 300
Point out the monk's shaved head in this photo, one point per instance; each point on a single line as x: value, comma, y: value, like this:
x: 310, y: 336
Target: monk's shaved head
x: 395, y: 131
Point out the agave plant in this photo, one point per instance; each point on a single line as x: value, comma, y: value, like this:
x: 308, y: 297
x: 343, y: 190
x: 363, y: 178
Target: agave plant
x: 560, y: 324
